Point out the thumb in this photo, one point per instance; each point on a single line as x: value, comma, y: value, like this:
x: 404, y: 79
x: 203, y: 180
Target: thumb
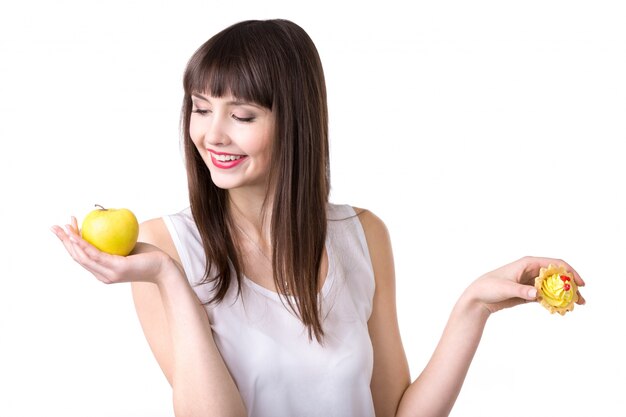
x: 527, y: 292
x: 512, y: 289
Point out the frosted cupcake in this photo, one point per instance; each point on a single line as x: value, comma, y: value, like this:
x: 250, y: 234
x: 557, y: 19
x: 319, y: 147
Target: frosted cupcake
x: 556, y: 289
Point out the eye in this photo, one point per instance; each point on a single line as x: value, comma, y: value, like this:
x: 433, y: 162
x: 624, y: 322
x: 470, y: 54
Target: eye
x: 243, y: 119
x: 201, y: 112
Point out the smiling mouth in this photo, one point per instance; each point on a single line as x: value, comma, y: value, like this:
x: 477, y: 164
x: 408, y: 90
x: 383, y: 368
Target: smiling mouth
x: 226, y: 158
x: 226, y: 161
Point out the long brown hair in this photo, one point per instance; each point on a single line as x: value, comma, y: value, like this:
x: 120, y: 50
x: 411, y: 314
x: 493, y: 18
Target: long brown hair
x: 274, y: 64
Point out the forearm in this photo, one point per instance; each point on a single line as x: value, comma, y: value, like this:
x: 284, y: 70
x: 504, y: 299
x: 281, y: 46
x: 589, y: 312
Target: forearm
x: 435, y: 391
x: 202, y: 385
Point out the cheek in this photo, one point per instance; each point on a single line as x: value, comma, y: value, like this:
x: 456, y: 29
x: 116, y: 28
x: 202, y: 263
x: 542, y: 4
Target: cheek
x: 255, y: 144
x: 196, y: 133
x: 266, y: 143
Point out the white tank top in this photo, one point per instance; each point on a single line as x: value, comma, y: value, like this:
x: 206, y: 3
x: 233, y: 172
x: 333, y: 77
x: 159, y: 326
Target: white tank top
x: 278, y: 371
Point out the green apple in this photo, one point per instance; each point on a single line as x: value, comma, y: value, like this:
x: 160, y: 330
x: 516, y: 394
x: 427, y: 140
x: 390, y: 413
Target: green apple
x: 112, y: 231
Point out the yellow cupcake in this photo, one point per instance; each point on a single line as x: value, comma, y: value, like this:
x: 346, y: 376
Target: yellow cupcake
x: 556, y: 289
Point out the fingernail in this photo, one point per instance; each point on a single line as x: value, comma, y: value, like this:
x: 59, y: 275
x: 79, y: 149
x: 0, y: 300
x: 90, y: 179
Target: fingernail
x: 532, y: 293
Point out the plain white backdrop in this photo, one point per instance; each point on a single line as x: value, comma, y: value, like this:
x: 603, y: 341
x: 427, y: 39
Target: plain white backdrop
x: 478, y: 131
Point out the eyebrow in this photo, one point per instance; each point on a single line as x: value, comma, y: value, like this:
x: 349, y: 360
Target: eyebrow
x: 231, y: 103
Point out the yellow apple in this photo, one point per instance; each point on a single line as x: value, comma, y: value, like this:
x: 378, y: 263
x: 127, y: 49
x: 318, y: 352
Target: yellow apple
x: 112, y: 231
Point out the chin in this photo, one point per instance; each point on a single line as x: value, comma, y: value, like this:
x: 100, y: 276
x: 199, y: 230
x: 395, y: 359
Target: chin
x: 233, y: 183
x: 224, y: 184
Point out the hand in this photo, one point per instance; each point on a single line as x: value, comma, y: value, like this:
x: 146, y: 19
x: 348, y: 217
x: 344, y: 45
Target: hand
x: 513, y: 284
x: 146, y: 262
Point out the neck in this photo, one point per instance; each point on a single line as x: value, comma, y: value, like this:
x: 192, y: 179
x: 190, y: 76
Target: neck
x: 247, y: 211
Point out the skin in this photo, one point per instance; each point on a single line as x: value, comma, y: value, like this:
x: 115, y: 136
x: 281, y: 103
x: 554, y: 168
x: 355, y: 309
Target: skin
x: 228, y: 125
x: 178, y: 330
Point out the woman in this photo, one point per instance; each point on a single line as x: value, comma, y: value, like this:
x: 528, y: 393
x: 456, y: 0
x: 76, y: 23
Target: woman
x: 262, y: 298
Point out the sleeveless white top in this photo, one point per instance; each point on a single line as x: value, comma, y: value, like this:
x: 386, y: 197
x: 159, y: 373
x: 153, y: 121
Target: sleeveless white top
x: 278, y: 370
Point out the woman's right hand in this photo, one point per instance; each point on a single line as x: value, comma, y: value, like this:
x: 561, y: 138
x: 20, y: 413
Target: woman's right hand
x: 146, y: 263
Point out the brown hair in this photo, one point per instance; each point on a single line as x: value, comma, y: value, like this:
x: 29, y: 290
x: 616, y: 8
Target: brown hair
x: 275, y: 64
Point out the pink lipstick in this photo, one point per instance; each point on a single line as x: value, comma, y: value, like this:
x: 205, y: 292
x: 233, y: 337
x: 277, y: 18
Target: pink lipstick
x: 224, y: 160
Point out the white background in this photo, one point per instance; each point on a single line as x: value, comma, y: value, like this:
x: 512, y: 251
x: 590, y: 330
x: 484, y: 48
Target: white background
x: 479, y: 131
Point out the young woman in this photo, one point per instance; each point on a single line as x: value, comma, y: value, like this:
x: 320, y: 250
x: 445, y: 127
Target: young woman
x: 262, y: 298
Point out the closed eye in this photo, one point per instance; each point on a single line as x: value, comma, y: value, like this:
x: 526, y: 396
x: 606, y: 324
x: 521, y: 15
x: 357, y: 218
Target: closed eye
x: 200, y: 111
x: 243, y: 119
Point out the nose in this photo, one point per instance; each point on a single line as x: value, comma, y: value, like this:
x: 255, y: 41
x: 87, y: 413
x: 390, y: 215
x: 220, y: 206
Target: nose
x: 217, y: 134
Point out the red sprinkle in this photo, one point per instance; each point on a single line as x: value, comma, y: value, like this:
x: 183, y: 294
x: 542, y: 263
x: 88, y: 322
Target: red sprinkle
x: 565, y: 278
x: 566, y: 287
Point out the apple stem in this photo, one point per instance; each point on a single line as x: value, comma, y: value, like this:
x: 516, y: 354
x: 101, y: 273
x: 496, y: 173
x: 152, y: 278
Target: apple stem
x: 99, y: 206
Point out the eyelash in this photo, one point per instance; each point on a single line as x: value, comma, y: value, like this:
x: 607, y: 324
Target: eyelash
x: 239, y: 119
x: 243, y: 119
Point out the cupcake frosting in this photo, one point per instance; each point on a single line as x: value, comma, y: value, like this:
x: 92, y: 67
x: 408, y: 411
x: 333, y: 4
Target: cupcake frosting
x: 556, y: 289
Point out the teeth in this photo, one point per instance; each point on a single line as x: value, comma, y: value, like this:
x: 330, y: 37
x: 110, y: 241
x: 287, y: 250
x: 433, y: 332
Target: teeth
x: 226, y: 158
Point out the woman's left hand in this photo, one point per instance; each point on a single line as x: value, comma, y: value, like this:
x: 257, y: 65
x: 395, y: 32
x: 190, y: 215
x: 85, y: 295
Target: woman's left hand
x: 513, y: 284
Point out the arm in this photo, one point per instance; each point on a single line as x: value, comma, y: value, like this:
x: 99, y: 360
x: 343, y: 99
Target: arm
x: 200, y: 381
x: 148, y: 301
x: 435, y: 391
x: 179, y: 333
x: 391, y: 376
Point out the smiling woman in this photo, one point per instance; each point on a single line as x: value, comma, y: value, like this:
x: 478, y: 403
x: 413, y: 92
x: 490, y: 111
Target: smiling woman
x: 259, y: 69
x: 263, y: 298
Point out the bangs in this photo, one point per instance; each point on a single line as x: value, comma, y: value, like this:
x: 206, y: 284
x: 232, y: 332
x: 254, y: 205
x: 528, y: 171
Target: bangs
x: 226, y: 65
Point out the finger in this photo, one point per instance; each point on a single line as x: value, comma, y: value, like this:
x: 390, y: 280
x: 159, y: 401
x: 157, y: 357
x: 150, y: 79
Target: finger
x: 88, y: 251
x: 508, y: 290
x: 577, y: 278
x: 75, y: 225
x: 112, y: 268
x: 537, y: 263
x: 102, y: 258
x: 71, y: 231
x: 517, y: 290
x: 100, y: 271
x: 581, y: 299
x: 527, y: 292
x: 72, y: 243
x: 58, y: 232
x: 92, y: 257
x: 63, y: 236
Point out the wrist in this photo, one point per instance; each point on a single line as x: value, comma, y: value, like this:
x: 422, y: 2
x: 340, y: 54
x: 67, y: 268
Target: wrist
x: 168, y: 270
x: 470, y: 305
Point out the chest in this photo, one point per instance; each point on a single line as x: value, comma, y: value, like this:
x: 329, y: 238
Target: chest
x: 267, y: 349
x: 263, y: 342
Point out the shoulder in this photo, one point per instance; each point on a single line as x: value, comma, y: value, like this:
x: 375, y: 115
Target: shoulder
x: 379, y: 246
x: 373, y: 226
x: 378, y: 240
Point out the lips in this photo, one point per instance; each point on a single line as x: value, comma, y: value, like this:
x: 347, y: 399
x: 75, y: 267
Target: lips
x: 226, y: 160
